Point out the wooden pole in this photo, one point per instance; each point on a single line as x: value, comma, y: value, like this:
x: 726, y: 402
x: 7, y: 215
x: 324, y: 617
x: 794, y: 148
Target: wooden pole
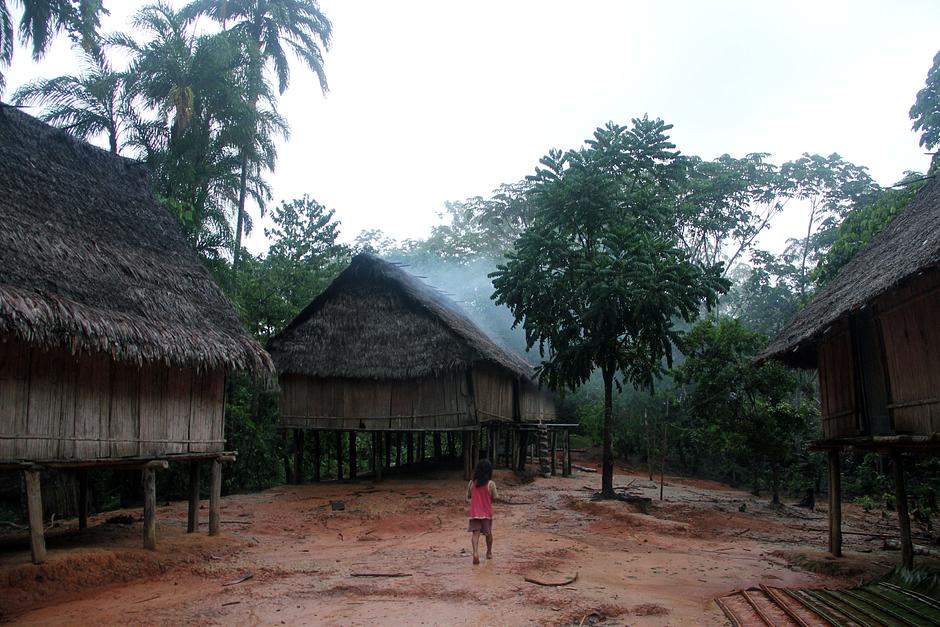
x: 552, y: 443
x: 37, y: 541
x: 465, y: 441
x: 410, y: 441
x: 523, y: 449
x: 298, y: 456
x: 491, y: 445
x: 380, y: 439
x: 904, y: 519
x: 353, y: 457
x: 192, y: 518
x: 316, y: 456
x: 82, y: 499
x: 835, y: 504
x: 451, y: 444
x: 215, y: 499
x: 398, y: 439
x: 339, y: 455
x: 150, y: 508
x: 421, y: 442
x: 567, y: 458
x: 438, y: 453
x: 387, y: 446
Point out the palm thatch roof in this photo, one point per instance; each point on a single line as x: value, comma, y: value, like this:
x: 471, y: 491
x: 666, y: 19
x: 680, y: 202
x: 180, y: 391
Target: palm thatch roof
x: 376, y: 321
x: 909, y: 246
x: 89, y: 260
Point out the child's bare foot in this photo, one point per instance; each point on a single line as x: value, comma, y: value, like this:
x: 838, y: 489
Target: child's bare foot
x: 476, y: 560
x: 489, y: 556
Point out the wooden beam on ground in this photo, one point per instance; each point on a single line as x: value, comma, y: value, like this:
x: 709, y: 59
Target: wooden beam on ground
x: 82, y: 499
x: 298, y: 456
x: 150, y: 507
x: 215, y: 499
x: 353, y: 455
x: 835, y: 504
x: 192, y: 518
x: 37, y: 541
x: 904, y: 519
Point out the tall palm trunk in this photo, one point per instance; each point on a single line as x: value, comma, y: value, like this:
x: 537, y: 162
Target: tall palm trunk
x: 253, y: 97
x: 607, y: 476
x: 240, y: 218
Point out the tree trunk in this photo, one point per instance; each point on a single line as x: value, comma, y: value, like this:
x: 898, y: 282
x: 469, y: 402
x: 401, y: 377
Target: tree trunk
x: 607, y: 476
x: 240, y: 219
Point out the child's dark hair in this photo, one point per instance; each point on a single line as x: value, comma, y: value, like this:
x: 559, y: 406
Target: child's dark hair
x: 483, y: 472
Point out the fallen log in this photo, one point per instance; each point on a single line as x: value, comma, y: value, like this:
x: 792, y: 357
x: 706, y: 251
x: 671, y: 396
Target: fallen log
x: 895, y: 545
x: 583, y: 468
x: 553, y: 584
x: 380, y: 574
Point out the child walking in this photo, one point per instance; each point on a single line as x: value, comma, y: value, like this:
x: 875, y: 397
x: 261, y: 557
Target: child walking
x: 481, y: 492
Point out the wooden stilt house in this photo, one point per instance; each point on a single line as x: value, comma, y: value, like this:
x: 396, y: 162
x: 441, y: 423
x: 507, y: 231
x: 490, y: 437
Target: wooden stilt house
x: 114, y: 340
x: 873, y: 334
x: 380, y: 351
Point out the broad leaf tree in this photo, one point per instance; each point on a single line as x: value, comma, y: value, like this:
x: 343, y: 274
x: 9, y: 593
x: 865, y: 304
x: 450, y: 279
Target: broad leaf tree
x: 926, y: 109
x: 598, y: 278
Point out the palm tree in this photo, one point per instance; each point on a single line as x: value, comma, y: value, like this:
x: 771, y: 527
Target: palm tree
x: 85, y: 105
x: 268, y: 29
x: 40, y: 22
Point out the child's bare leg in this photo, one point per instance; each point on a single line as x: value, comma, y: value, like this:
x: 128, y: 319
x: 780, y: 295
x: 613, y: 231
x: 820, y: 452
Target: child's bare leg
x: 489, y: 546
x: 475, y: 541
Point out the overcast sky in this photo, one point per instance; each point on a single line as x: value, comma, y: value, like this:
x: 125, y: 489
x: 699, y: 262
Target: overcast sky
x: 442, y: 100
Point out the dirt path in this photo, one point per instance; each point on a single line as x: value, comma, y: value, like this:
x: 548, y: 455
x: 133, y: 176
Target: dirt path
x: 660, y: 568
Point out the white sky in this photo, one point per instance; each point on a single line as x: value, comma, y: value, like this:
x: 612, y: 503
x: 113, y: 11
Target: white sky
x: 432, y: 101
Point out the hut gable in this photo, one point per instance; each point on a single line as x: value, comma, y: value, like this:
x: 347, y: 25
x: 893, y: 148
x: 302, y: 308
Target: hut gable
x: 376, y: 321
x: 909, y: 246
x: 90, y: 261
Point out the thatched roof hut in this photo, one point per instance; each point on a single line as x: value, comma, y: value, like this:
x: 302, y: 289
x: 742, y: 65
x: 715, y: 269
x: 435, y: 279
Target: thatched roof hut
x: 874, y: 336
x: 114, y: 339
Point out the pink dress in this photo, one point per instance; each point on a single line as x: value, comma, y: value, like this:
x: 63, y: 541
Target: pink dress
x: 481, y: 507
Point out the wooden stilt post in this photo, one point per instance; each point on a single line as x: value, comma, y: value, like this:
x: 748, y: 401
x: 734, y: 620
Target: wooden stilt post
x: 387, y: 446
x: 904, y: 519
x: 465, y: 441
x: 410, y: 441
x: 353, y: 457
x: 438, y: 453
x: 491, y: 445
x: 192, y: 518
x: 37, y: 541
x: 566, y: 455
x: 380, y: 439
x: 835, y: 503
x: 523, y: 448
x: 316, y: 456
x: 554, y: 437
x: 215, y: 498
x: 298, y: 456
x: 339, y: 455
x: 82, y: 499
x: 150, y: 507
x: 398, y: 440
x: 451, y: 444
x: 421, y: 442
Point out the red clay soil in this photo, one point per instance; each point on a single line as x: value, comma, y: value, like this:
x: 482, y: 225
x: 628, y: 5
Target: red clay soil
x: 664, y: 567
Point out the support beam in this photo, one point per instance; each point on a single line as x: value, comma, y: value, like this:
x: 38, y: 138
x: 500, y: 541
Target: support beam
x: 339, y: 455
x: 298, y: 456
x: 215, y: 499
x: 192, y: 519
x: 465, y: 441
x: 566, y: 455
x: 451, y: 444
x: 398, y: 450
x: 491, y: 445
x: 410, y: 441
x: 37, y: 541
x: 150, y: 507
x: 552, y: 445
x: 523, y: 449
x: 353, y: 455
x: 438, y: 453
x: 379, y: 440
x: 835, y: 504
x: 904, y: 519
x: 387, y: 446
x: 82, y: 499
x: 316, y: 456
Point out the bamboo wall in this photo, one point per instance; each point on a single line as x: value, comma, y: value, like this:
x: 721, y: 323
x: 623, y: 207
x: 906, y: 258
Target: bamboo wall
x: 837, y: 386
x: 910, y: 325
x: 495, y: 394
x: 536, y: 404
x: 55, y: 406
x: 427, y: 404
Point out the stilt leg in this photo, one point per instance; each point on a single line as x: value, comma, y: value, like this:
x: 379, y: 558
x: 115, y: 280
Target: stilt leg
x: 353, y: 455
x: 298, y: 456
x: 904, y: 519
x: 82, y: 499
x: 215, y: 499
x: 192, y: 520
x: 835, y: 504
x: 37, y: 540
x: 150, y: 508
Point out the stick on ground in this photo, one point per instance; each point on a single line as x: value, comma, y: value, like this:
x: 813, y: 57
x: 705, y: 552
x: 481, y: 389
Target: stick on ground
x: 553, y: 584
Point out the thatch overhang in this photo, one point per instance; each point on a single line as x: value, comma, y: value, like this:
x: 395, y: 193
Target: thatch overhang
x: 377, y: 321
x: 907, y: 248
x: 90, y: 261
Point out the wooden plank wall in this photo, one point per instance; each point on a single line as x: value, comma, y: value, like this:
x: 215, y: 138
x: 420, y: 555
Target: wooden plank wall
x: 837, y: 386
x: 536, y: 404
x: 55, y: 406
x: 493, y: 390
x: 910, y: 326
x: 426, y: 404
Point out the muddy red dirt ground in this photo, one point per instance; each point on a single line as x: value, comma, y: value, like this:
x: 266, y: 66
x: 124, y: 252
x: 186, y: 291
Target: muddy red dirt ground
x: 660, y: 568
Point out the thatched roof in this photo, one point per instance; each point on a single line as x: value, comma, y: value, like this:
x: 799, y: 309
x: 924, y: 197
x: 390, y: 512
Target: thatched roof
x: 376, y: 321
x: 910, y: 245
x: 89, y: 260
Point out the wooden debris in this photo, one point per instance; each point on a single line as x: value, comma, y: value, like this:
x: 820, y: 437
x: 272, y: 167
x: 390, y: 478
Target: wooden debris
x: 231, y: 603
x: 380, y: 574
x: 239, y: 580
x: 148, y: 599
x: 583, y: 468
x: 553, y: 584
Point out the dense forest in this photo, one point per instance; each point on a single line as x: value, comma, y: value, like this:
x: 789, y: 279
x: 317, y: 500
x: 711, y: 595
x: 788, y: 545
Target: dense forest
x: 629, y: 269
